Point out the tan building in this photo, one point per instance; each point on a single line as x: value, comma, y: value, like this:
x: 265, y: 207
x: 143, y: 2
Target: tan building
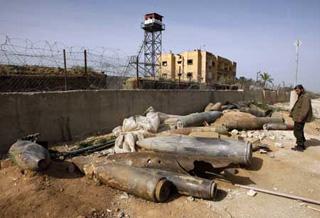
x: 198, y: 66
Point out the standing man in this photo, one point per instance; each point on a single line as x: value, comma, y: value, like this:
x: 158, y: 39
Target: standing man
x: 300, y: 113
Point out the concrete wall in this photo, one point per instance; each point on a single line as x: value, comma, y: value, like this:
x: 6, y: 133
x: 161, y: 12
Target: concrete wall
x: 64, y: 116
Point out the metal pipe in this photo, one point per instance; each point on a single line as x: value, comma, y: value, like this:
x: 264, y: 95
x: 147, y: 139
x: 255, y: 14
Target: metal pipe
x: 236, y: 151
x: 88, y: 149
x: 295, y: 197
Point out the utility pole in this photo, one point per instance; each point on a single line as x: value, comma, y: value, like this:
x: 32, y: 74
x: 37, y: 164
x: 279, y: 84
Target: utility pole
x: 297, y: 44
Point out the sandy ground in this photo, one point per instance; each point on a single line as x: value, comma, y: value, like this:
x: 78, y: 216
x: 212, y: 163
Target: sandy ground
x: 59, y: 192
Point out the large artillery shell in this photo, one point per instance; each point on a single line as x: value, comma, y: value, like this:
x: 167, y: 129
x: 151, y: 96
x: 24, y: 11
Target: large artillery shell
x: 236, y: 151
x: 186, y: 164
x: 29, y: 155
x: 196, y: 119
x: 277, y: 126
x: 244, y: 121
x: 189, y: 185
x: 185, y: 184
x: 136, y: 181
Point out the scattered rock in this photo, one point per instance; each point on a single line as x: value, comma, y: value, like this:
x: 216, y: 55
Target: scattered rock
x: 261, y: 136
x: 251, y: 193
x: 5, y: 163
x: 272, y: 137
x: 121, y: 214
x: 271, y: 155
x: 97, y: 181
x: 190, y: 198
x: 124, y: 195
x: 243, y: 134
x: 263, y: 151
x: 234, y: 132
x: 279, y: 145
x: 232, y: 171
x: 250, y: 134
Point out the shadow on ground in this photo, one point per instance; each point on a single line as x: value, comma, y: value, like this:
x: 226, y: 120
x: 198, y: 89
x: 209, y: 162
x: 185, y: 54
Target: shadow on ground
x: 221, y: 194
x: 255, y: 165
x: 62, y: 170
x: 312, y: 142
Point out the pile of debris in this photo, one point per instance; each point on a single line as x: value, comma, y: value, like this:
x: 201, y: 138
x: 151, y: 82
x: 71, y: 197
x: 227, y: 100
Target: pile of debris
x: 154, y: 154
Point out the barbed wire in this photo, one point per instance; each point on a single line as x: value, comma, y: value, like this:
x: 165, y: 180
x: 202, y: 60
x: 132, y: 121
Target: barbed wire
x: 21, y: 52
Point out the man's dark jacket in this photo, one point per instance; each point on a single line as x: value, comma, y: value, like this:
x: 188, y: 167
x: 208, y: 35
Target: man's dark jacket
x: 302, y: 110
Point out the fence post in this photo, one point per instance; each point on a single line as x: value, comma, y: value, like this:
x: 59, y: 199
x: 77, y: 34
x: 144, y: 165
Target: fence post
x: 85, y: 62
x: 65, y: 69
x: 137, y: 70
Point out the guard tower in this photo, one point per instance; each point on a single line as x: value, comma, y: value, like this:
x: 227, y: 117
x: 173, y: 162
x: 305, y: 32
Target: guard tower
x: 152, y: 43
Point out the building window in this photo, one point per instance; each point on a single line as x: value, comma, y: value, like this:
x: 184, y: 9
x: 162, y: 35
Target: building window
x: 213, y: 63
x: 189, y: 75
x: 164, y: 63
x: 164, y: 75
x: 190, y: 62
x: 179, y: 62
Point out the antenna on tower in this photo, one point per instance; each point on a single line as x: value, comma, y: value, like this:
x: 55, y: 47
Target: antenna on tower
x: 297, y: 44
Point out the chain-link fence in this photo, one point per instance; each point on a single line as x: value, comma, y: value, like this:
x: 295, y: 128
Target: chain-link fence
x: 37, y: 66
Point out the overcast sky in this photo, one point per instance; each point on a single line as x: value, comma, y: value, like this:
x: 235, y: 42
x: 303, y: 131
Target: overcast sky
x: 258, y: 35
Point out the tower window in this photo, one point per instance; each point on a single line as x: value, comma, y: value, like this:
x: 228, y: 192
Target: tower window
x: 190, y: 62
x: 164, y: 63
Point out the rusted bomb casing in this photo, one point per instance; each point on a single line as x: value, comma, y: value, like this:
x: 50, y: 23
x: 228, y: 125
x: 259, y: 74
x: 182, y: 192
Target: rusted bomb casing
x: 236, y: 151
x: 255, y: 112
x: 188, y: 130
x: 213, y: 107
x: 277, y: 126
x: 251, y: 123
x: 137, y: 181
x: 196, y: 119
x: 29, y: 155
x: 179, y: 163
x: 189, y: 185
x: 264, y: 120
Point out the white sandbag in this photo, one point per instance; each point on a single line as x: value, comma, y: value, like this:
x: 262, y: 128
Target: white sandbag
x: 117, y: 131
x: 129, y: 124
x: 154, y: 120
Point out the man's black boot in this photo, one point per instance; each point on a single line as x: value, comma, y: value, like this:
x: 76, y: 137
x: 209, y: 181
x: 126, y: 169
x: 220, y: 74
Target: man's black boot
x: 298, y: 148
